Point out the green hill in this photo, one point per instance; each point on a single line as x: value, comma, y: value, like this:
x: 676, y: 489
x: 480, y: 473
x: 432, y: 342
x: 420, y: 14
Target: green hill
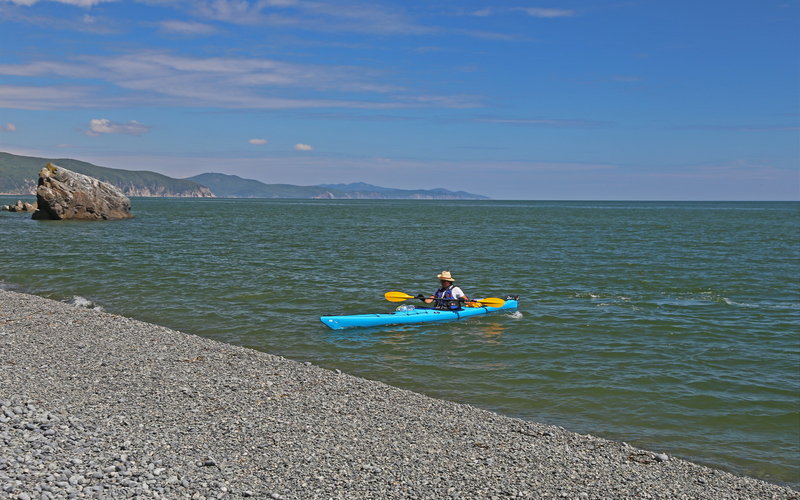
x: 233, y: 186
x: 370, y: 191
x: 19, y: 174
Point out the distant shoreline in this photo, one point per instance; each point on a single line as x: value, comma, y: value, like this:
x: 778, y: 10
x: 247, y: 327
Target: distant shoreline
x: 123, y: 406
x: 492, y: 200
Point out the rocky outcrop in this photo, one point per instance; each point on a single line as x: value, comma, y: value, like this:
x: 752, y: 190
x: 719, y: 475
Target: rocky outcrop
x: 327, y: 195
x: 19, y: 206
x: 64, y: 194
x: 160, y: 191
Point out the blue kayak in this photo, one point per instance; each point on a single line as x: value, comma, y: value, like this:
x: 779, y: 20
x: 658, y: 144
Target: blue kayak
x: 416, y: 315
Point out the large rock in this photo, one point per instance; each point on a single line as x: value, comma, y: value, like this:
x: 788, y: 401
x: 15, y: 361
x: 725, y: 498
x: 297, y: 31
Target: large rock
x: 64, y: 194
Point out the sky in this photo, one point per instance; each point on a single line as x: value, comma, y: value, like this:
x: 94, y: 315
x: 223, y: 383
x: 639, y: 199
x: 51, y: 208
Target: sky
x: 512, y: 99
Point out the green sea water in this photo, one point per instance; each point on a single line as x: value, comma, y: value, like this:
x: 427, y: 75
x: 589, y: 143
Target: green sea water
x: 671, y: 326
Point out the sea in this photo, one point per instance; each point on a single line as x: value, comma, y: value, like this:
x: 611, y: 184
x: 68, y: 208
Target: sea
x: 672, y: 326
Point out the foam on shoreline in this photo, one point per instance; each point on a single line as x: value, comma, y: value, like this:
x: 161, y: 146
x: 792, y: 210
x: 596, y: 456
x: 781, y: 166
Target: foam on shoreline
x: 105, y: 406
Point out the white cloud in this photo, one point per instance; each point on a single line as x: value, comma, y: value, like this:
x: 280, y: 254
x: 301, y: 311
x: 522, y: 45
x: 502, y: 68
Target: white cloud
x: 30, y: 97
x: 99, y: 126
x: 258, y: 142
x: 76, y: 3
x: 8, y: 127
x: 542, y: 122
x: 159, y: 78
x: 282, y: 3
x: 342, y: 16
x: 546, y: 13
x: 302, y: 147
x: 46, y: 17
x: 531, y: 11
x: 483, y: 12
x: 187, y: 28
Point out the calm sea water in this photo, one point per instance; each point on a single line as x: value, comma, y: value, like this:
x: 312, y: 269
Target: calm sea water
x: 671, y: 326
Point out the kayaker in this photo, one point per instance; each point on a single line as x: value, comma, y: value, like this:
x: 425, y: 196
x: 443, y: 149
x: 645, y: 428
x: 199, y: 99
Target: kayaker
x: 449, y: 296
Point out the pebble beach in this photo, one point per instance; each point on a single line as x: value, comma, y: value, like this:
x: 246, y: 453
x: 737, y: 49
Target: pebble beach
x: 94, y: 405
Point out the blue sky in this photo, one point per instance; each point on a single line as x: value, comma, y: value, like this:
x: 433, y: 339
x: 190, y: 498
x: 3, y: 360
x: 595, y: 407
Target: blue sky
x: 579, y: 99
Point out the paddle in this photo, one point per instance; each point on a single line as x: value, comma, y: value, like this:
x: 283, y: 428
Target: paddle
x: 400, y: 296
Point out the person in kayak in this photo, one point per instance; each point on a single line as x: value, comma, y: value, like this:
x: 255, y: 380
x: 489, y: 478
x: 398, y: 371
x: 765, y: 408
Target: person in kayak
x: 449, y: 296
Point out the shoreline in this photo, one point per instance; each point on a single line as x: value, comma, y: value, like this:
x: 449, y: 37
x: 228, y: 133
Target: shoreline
x: 105, y: 406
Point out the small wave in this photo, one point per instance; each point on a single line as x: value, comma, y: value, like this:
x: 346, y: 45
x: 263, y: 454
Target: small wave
x: 764, y: 305
x: 79, y: 301
x: 9, y: 287
x: 734, y: 303
x: 516, y: 315
x: 594, y: 296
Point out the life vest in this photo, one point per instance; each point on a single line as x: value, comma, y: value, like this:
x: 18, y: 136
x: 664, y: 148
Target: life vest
x: 443, y: 299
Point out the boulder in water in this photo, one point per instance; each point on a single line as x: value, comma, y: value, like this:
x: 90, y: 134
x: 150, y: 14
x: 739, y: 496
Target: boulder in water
x: 64, y: 194
x: 20, y: 206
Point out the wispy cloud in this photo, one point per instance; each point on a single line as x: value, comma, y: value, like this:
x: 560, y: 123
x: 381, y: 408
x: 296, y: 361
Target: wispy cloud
x: 541, y: 122
x: 187, y: 28
x: 45, y: 97
x: 546, y: 13
x: 100, y: 126
x: 744, y: 128
x: 258, y: 142
x: 40, y: 17
x: 76, y: 3
x: 302, y: 147
x: 8, y: 127
x: 346, y: 16
x: 165, y: 79
x: 531, y: 11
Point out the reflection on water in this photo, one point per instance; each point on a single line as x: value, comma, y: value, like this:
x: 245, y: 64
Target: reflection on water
x: 491, y: 332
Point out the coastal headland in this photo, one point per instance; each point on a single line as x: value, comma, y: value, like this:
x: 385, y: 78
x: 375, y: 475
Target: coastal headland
x: 101, y: 406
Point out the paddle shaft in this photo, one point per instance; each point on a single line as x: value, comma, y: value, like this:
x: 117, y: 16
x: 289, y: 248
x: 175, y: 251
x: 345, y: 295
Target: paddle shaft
x: 400, y: 296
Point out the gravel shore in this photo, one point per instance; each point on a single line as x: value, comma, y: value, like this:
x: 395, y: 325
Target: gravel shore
x: 94, y: 405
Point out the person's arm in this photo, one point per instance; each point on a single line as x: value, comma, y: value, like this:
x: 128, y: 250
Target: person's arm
x: 425, y: 299
x: 459, y: 295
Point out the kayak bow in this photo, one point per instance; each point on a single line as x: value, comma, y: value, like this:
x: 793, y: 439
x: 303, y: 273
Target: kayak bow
x: 409, y: 316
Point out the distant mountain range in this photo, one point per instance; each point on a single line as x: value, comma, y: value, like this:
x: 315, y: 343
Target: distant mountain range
x: 233, y: 186
x: 19, y: 174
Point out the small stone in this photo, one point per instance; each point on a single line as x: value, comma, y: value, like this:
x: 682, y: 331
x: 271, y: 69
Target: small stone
x: 661, y: 457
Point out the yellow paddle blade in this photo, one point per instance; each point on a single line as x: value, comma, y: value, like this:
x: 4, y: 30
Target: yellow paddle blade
x: 491, y: 302
x: 397, y: 296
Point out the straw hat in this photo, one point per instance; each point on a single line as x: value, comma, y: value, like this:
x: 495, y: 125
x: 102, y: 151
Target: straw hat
x: 446, y: 276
